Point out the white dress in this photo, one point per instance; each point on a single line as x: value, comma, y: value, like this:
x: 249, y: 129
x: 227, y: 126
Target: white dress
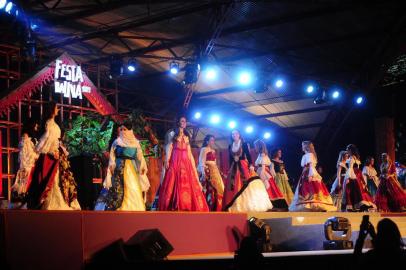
x: 49, y: 144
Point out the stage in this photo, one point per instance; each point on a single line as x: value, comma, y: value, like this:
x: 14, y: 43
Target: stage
x: 67, y: 239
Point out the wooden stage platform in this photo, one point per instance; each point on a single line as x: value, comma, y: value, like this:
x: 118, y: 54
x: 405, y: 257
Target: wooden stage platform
x: 66, y: 239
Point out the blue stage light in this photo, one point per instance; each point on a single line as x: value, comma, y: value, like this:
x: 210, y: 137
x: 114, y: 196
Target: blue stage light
x: 267, y: 135
x: 249, y: 129
x: 211, y: 74
x: 174, y: 67
x: 359, y: 100
x: 215, y: 119
x: 198, y: 115
x: 3, y: 3
x: 9, y: 7
x: 132, y: 65
x: 279, y: 83
x: 245, y: 78
x: 336, y: 94
x: 232, y: 124
x: 310, y: 89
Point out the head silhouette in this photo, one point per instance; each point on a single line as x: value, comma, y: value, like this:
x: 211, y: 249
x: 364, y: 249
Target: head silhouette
x: 388, y: 237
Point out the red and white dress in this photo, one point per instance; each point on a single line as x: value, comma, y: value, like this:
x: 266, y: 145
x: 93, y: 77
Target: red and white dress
x: 180, y: 189
x: 266, y: 172
x: 311, y: 194
x: 357, y: 197
x: 211, y: 178
x: 390, y: 197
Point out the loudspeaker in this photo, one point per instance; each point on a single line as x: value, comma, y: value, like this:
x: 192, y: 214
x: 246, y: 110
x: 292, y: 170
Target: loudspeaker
x: 112, y: 254
x: 147, y: 245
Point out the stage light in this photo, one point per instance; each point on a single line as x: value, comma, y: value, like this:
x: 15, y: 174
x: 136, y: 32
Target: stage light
x: 3, y: 3
x: 215, y: 119
x: 9, y: 7
x: 174, y: 67
x: 211, y: 74
x: 191, y: 73
x: 359, y: 100
x: 321, y: 98
x: 245, y: 78
x: 249, y: 129
x: 232, y: 124
x: 198, y: 115
x: 279, y: 83
x: 116, y: 67
x: 267, y: 135
x: 132, y: 65
x: 333, y: 240
x: 335, y: 94
x: 310, y: 89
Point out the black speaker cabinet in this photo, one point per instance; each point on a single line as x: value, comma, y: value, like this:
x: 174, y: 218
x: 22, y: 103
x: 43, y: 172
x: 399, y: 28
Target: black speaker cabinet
x: 148, y: 245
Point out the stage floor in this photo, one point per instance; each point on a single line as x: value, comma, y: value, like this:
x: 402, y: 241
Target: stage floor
x: 66, y: 239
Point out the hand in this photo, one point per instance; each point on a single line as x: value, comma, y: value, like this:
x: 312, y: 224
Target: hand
x: 252, y: 168
x: 166, y: 165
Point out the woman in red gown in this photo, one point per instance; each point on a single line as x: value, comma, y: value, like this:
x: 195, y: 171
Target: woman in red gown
x: 180, y: 189
x: 390, y: 197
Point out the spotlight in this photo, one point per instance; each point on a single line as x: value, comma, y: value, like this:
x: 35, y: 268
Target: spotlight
x: 197, y: 115
x: 232, y: 124
x: 245, y: 78
x: 249, y: 129
x: 320, y: 99
x: 132, y: 65
x: 359, y: 100
x: 3, y: 3
x: 211, y: 74
x: 116, y: 67
x: 261, y: 231
x: 335, y: 94
x: 310, y: 89
x: 9, y: 7
x: 191, y: 73
x: 174, y: 67
x: 215, y: 119
x: 267, y: 135
x: 334, y: 241
x: 279, y: 83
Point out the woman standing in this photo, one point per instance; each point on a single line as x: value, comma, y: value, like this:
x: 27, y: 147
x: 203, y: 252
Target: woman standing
x: 50, y: 189
x: 266, y: 172
x: 337, y: 187
x: 357, y: 197
x: 370, y: 176
x: 244, y: 191
x: 126, y: 181
x: 311, y: 194
x: 180, y: 189
x: 281, y: 177
x: 210, y: 174
x: 390, y: 196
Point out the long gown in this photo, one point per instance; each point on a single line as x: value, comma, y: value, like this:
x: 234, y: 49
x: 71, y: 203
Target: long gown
x: 52, y: 186
x: 180, y: 189
x: 244, y: 192
x: 390, y: 197
x: 371, y: 178
x: 311, y: 194
x: 123, y: 191
x: 282, y: 180
x: 356, y: 193
x: 211, y: 178
x: 337, y: 188
x: 266, y: 172
x: 26, y: 158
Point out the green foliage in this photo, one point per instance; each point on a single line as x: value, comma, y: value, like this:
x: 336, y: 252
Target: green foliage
x: 87, y: 136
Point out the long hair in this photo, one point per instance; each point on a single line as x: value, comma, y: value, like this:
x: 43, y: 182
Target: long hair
x: 177, y: 129
x: 260, y: 146
x: 354, y: 151
x: 48, y: 114
x: 388, y: 237
x: 207, y: 139
x: 275, y: 151
x: 385, y: 164
x: 368, y: 160
x: 239, y: 133
x: 309, y: 147
x: 341, y: 155
x: 29, y: 128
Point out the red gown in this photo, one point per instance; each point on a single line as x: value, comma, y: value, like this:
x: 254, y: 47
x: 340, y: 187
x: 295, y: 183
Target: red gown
x: 390, y: 197
x: 213, y: 183
x: 180, y: 189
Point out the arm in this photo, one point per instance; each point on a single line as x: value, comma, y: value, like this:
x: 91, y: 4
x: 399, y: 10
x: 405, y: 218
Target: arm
x: 246, y: 151
x: 111, y: 166
x: 272, y: 169
x: 43, y: 140
x: 141, y: 160
x: 339, y: 169
x: 202, y: 160
x: 168, y: 148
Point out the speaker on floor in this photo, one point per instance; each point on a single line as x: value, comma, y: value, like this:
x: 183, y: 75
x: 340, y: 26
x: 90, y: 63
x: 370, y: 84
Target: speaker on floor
x: 148, y: 245
x: 114, y: 253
